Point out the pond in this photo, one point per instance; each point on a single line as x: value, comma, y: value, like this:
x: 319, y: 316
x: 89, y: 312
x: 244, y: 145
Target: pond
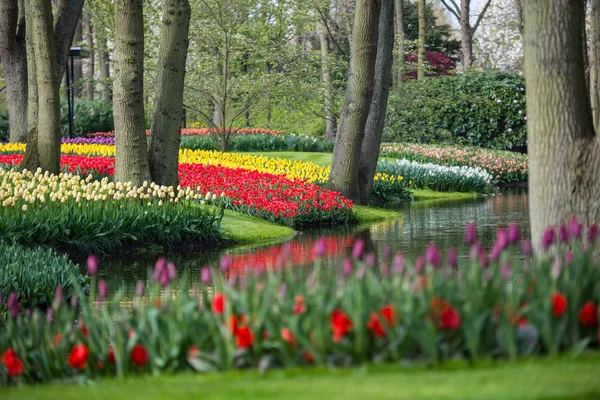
x: 439, y: 221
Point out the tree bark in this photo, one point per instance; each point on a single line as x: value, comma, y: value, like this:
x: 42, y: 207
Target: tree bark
x: 14, y: 61
x: 375, y: 121
x: 399, y: 33
x: 594, y: 61
x: 564, y: 155
x: 48, y: 84
x: 359, y: 92
x: 165, y: 132
x: 466, y: 34
x: 421, y: 53
x: 91, y: 61
x: 326, y: 80
x: 68, y: 14
x: 128, y: 86
x: 77, y: 64
x: 105, y: 82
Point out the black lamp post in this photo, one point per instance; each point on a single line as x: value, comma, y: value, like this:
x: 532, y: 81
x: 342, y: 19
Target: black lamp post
x: 78, y: 53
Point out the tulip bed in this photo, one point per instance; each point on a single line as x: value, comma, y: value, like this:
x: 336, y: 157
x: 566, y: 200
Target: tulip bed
x: 205, y: 131
x: 435, y: 309
x: 504, y: 166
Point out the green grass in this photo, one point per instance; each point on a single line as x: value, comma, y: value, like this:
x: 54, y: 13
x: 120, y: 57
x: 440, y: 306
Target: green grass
x: 426, y: 194
x: 540, y: 379
x: 317, y: 158
x: 369, y: 214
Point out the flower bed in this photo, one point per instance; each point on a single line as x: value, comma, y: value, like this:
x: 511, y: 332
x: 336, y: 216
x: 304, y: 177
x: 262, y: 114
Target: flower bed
x: 504, y: 166
x: 205, y: 131
x: 434, y: 309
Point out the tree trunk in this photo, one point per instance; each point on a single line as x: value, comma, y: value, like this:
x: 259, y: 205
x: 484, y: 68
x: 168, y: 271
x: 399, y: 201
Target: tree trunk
x: 421, y: 54
x: 359, y: 92
x: 91, y: 61
x: 399, y: 33
x: 375, y: 121
x: 564, y: 156
x: 128, y: 106
x: 326, y: 80
x: 68, y: 13
x: 77, y: 64
x: 165, y: 133
x: 14, y: 61
x: 594, y: 61
x: 31, y: 159
x: 466, y: 35
x: 48, y: 85
x: 105, y: 82
x: 584, y: 43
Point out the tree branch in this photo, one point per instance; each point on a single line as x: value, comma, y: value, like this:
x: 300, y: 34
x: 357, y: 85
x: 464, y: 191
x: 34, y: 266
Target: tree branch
x: 324, y: 20
x: 67, y: 15
x: 455, y: 11
x: 481, y: 16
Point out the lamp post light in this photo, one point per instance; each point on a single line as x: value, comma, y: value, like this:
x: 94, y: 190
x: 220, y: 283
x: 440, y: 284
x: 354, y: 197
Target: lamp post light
x: 78, y: 53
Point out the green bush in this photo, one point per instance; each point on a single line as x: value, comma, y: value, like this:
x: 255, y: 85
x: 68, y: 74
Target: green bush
x: 34, y: 274
x: 474, y: 108
x: 4, y: 127
x: 288, y: 142
x: 90, y: 116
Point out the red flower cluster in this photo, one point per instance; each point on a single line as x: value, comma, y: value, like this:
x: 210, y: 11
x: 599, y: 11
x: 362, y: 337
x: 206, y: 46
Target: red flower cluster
x: 12, y: 362
x: 341, y: 325
x: 374, y: 324
x: 446, y: 316
x: 244, y: 337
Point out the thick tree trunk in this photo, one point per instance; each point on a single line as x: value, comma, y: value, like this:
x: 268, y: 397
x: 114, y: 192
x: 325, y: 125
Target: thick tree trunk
x: 48, y: 85
x: 399, y: 33
x: 165, y: 132
x: 14, y: 61
x: 91, y: 61
x: 326, y: 80
x: 564, y: 155
x: 77, y: 64
x: 383, y: 80
x: 105, y: 82
x: 31, y: 159
x: 466, y: 34
x: 128, y: 106
x: 421, y: 49
x: 359, y: 93
x: 594, y: 61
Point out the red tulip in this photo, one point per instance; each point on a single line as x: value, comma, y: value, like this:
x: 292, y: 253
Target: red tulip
x: 340, y: 325
x: 588, y: 314
x: 111, y: 355
x: 218, y: 303
x: 139, y: 355
x: 288, y: 337
x: 78, y: 356
x: 559, y: 304
x: 12, y: 362
x: 244, y: 337
x: 299, y: 306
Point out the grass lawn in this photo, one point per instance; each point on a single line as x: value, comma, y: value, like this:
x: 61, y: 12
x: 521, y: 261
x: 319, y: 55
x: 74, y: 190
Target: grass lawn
x: 540, y: 379
x: 370, y: 214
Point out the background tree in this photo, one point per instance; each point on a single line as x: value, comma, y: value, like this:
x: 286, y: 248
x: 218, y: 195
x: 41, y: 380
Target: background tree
x: 400, y: 37
x: 165, y: 132
x: 595, y: 62
x: 564, y: 154
x: 467, y: 31
x: 128, y: 86
x: 421, y: 45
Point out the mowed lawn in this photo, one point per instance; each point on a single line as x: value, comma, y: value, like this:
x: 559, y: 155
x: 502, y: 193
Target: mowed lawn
x: 540, y: 379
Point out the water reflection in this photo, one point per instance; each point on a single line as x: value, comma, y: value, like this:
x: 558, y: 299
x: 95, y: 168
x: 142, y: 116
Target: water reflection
x: 441, y: 221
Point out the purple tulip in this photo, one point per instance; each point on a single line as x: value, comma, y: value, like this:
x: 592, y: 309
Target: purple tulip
x: 398, y: 263
x: 370, y: 259
x: 92, y: 264
x: 205, y: 276
x: 495, y: 252
x: 575, y: 228
x: 470, y: 233
x: 139, y: 289
x: 386, y: 252
x: 225, y: 262
x: 159, y: 269
x: 320, y: 247
x: 13, y: 304
x: 357, y: 249
x: 49, y: 315
x: 419, y: 264
x: 483, y: 258
x: 592, y: 232
x: 548, y: 238
x: 502, y: 239
x: 102, y: 290
x: 505, y: 271
x: 569, y: 257
x: 171, y: 271
x: 514, y: 235
x: 347, y: 267
x: 433, y: 256
x: 526, y: 247
x: 453, y: 257
x: 563, y: 234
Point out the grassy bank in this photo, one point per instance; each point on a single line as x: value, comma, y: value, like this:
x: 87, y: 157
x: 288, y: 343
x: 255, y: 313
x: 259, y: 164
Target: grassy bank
x: 426, y: 194
x: 539, y: 379
x: 372, y: 214
x: 242, y: 228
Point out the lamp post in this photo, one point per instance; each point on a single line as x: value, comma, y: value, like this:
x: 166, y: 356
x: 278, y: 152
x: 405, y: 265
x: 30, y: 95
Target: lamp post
x: 78, y: 53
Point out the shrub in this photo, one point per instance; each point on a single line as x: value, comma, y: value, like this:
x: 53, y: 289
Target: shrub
x: 4, y: 126
x: 437, y: 64
x: 474, y: 108
x: 95, y: 116
x: 34, y: 274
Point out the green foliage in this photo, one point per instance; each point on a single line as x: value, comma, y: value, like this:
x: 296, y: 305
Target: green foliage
x: 438, y: 37
x: 4, y: 126
x: 287, y: 142
x: 34, y: 274
x: 474, y: 108
x: 96, y: 116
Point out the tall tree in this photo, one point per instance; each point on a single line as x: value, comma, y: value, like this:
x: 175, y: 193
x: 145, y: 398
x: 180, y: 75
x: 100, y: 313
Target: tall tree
x: 128, y: 86
x: 382, y: 82
x: 399, y: 33
x: 421, y: 56
x: 77, y: 64
x: 168, y: 100
x: 564, y: 153
x: 91, y: 61
x: 467, y: 31
x: 344, y: 176
x: 326, y: 77
x: 14, y: 60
